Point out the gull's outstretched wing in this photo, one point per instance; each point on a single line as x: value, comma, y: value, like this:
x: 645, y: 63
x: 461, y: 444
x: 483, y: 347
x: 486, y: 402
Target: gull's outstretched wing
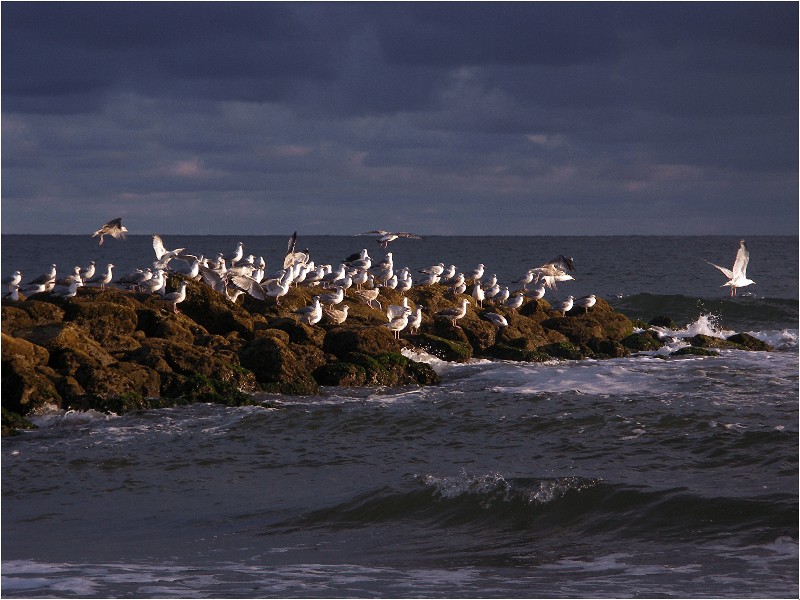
x: 728, y: 273
x: 742, y: 258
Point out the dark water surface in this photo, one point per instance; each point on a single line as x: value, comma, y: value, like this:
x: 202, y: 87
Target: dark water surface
x: 645, y: 476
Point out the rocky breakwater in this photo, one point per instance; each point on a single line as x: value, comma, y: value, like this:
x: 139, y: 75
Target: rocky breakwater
x: 115, y: 351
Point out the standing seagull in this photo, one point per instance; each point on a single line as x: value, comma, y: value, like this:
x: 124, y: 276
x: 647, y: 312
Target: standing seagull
x: 176, y: 298
x: 454, y: 314
x: 384, y: 237
x: 738, y: 276
x: 586, y: 302
x: 566, y: 305
x: 114, y: 228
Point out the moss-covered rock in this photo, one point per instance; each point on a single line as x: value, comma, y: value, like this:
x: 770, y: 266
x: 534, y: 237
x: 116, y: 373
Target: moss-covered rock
x: 273, y: 361
x: 563, y: 350
x: 508, y: 352
x: 442, y: 348
x: 748, y: 342
x: 643, y: 341
x: 707, y: 341
x: 344, y: 340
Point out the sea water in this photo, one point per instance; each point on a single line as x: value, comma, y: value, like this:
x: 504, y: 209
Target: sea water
x: 642, y: 476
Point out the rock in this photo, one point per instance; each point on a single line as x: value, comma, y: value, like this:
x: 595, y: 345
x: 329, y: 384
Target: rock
x: 707, y: 341
x: 442, y: 348
x: 345, y: 340
x: 643, y: 341
x: 68, y: 344
x: 508, y: 352
x: 23, y: 388
x: 29, y: 355
x: 607, y: 348
x: 212, y: 310
x: 694, y: 351
x: 748, y: 342
x: 564, y: 350
x: 664, y: 322
x: 272, y: 361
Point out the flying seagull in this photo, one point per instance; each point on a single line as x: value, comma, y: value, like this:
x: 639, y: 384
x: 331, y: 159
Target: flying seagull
x: 737, y: 277
x: 384, y: 237
x: 114, y: 228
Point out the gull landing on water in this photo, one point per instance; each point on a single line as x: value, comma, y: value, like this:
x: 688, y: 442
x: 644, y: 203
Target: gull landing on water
x: 737, y: 277
x: 114, y: 228
x: 384, y: 237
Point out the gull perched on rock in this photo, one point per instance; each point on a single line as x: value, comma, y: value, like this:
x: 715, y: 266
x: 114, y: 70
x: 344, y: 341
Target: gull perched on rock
x: 454, y: 314
x: 335, y: 315
x: 566, y: 306
x: 399, y: 323
x: 176, y: 298
x: 67, y: 292
x: 46, y: 278
x: 369, y: 296
x: 12, y: 280
x: 737, y: 277
x: 415, y: 320
x: 586, y: 302
x: 498, y: 320
x: 102, y: 278
x: 311, y: 315
x: 114, y: 228
x: 384, y: 237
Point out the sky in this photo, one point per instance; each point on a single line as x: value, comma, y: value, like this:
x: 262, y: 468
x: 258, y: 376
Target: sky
x: 443, y: 118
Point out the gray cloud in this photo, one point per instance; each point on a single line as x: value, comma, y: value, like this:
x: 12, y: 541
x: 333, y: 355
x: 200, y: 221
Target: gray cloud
x: 342, y: 117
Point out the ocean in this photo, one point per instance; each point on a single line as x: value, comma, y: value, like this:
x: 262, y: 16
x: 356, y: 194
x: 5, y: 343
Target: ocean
x: 646, y: 476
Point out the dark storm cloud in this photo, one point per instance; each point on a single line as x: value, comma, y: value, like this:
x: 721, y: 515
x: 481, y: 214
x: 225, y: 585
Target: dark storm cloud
x: 638, y: 115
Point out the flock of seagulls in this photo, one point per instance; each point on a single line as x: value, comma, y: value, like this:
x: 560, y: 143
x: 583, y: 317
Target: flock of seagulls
x: 359, y: 275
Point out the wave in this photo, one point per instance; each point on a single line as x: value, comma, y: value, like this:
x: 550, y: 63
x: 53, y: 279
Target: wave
x: 578, y: 505
x: 742, y: 313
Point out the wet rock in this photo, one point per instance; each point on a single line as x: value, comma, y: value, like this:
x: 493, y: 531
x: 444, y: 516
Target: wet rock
x: 273, y: 362
x: 748, y: 342
x: 563, y: 350
x: 694, y: 351
x: 664, y: 322
x: 450, y: 350
x: 707, y: 341
x: 643, y: 341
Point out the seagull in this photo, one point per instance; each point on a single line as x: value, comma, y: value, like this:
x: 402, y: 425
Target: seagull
x: 737, y: 277
x: 538, y: 292
x: 393, y: 310
x: 498, y: 320
x: 514, y: 302
x: 12, y: 279
x: 586, y: 302
x: 176, y: 298
x: 478, y: 293
x: 292, y: 256
x: 13, y: 292
x: 415, y: 320
x: 475, y: 274
x: 397, y: 324
x: 47, y: 278
x: 102, y: 278
x: 334, y: 297
x: 334, y: 315
x: 114, y: 228
x: 454, y: 314
x: 237, y: 254
x: 88, y: 272
x: 310, y: 315
x: 369, y: 296
x: 132, y: 280
x: 162, y: 254
x: 384, y: 237
x: 67, y: 292
x: 361, y: 260
x: 566, y: 305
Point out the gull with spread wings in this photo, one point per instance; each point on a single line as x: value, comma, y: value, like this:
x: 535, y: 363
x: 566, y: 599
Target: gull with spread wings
x: 114, y: 228
x: 737, y: 277
x: 384, y: 237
